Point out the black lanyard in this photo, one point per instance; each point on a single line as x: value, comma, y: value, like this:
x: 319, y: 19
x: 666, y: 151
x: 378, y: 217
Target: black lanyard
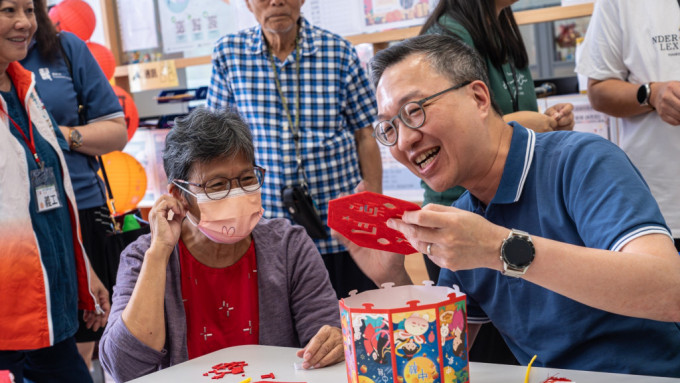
x: 514, y: 95
x: 294, y: 127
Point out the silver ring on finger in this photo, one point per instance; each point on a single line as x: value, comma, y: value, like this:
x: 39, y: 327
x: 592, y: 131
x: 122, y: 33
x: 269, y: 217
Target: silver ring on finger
x: 429, y: 249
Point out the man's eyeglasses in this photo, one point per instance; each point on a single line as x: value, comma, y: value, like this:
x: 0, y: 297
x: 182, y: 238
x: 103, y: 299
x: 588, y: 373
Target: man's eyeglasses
x: 412, y: 114
x: 219, y: 187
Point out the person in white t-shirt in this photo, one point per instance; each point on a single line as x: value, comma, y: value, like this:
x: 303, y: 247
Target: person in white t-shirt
x: 632, y: 60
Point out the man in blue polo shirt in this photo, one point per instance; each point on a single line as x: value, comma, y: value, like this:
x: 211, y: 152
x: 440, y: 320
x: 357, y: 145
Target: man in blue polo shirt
x: 558, y: 240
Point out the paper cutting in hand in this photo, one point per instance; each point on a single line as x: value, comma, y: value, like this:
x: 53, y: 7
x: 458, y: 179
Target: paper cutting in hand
x: 362, y: 219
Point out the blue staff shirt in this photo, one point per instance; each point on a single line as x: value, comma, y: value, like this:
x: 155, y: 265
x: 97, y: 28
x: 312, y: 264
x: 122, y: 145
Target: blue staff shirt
x: 58, y: 91
x: 580, y: 189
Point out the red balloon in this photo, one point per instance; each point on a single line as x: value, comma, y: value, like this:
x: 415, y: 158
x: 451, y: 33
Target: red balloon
x: 104, y: 57
x: 130, y: 110
x: 75, y: 16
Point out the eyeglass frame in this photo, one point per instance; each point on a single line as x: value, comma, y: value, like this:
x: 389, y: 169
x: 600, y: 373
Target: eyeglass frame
x: 420, y: 105
x: 238, y: 182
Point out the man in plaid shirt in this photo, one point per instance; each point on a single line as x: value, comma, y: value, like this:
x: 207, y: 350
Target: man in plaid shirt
x: 286, y: 76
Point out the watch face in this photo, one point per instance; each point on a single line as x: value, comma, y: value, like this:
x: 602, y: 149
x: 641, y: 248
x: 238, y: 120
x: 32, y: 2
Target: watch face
x: 642, y: 94
x: 76, y: 138
x: 518, y: 251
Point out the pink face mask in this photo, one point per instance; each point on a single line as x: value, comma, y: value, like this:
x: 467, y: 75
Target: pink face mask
x: 230, y: 219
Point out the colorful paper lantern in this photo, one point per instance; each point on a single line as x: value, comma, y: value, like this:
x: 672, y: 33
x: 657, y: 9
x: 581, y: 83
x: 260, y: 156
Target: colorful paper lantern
x: 75, y: 16
x: 406, y: 334
x: 130, y: 110
x: 104, y: 58
x: 127, y: 179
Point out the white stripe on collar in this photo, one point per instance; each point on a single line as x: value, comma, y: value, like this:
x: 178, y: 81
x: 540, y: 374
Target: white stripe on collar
x: 528, y: 158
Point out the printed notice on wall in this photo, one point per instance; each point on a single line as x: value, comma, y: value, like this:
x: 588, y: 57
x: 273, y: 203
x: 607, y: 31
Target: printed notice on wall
x: 191, y: 24
x: 137, y: 23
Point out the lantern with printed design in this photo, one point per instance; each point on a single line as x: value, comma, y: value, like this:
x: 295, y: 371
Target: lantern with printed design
x: 405, y: 334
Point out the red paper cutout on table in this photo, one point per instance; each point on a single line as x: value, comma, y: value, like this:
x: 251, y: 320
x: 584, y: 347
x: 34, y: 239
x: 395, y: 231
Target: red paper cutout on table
x: 268, y: 376
x: 362, y: 218
x: 555, y: 379
x: 222, y: 369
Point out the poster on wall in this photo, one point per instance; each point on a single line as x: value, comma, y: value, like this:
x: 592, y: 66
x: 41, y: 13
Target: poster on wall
x: 387, y: 14
x: 338, y: 16
x: 137, y: 24
x: 191, y: 24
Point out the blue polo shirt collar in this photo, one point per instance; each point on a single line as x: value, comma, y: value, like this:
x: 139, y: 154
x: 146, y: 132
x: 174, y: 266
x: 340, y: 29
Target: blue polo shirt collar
x: 256, y: 45
x: 517, y: 165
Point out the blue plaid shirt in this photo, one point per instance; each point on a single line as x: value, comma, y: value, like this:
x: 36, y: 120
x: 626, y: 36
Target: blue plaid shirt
x: 336, y: 99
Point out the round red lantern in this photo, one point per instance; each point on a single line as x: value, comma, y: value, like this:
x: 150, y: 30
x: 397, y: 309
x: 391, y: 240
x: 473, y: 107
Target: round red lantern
x: 75, y: 16
x: 104, y: 57
x: 129, y: 108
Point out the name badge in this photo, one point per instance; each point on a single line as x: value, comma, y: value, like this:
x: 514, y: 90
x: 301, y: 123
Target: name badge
x: 45, y: 188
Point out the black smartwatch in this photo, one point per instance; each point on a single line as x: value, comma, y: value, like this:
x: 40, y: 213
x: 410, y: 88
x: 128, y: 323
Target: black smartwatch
x: 517, y: 253
x: 643, y: 94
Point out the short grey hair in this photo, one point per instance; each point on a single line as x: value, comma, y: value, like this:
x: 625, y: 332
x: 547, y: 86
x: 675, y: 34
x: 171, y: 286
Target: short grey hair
x: 448, y: 56
x: 202, y: 136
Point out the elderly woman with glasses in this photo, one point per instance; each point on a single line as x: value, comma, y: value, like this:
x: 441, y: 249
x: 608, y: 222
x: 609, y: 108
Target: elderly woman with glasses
x: 213, y: 273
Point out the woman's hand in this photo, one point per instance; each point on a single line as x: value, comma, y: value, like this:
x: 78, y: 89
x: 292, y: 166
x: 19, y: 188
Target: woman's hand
x: 563, y: 114
x: 165, y: 219
x: 94, y: 320
x: 538, y: 122
x: 324, y: 349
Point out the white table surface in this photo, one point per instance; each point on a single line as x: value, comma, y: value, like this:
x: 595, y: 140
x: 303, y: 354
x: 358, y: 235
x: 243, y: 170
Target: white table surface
x: 279, y: 360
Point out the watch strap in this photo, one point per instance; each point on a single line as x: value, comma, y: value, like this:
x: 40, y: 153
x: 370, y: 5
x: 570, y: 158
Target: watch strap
x: 510, y: 269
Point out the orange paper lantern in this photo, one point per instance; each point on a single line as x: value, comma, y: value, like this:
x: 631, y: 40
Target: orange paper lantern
x: 104, y: 57
x: 130, y: 110
x: 127, y: 179
x: 75, y: 16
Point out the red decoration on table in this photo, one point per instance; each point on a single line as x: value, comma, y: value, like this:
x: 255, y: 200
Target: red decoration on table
x: 222, y: 369
x: 268, y: 376
x: 362, y: 218
x: 555, y: 379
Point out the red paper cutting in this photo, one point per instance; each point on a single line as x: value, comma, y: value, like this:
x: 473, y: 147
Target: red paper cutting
x: 222, y: 369
x: 362, y: 218
x: 555, y: 379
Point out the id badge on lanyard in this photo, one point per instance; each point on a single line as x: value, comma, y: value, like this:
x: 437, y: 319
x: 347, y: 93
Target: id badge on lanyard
x: 43, y: 182
x: 45, y: 189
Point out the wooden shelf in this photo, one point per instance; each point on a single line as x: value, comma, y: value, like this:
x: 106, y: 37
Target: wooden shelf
x: 122, y: 71
x: 523, y: 17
